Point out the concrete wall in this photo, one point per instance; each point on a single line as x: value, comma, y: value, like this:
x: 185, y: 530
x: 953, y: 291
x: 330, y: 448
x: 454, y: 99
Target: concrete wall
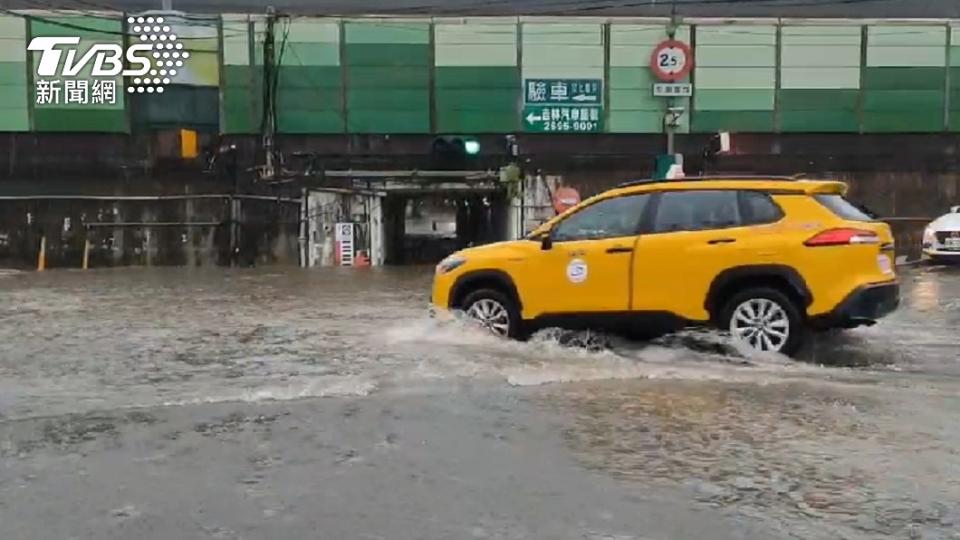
x: 148, y: 232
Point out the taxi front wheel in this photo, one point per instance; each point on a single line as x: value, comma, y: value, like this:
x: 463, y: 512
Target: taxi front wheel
x: 495, y: 311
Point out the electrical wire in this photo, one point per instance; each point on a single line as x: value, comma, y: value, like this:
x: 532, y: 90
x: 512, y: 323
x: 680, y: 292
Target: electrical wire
x: 62, y: 24
x: 696, y: 3
x: 106, y: 7
x: 81, y: 28
x: 546, y: 7
x: 272, y: 80
x: 179, y: 18
x: 396, y: 24
x: 387, y: 23
x: 212, y: 21
x: 314, y: 83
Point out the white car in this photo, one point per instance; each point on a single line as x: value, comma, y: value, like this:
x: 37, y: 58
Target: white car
x: 941, y: 239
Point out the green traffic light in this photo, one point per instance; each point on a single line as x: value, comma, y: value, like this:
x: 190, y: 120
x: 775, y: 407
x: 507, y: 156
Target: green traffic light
x: 471, y: 147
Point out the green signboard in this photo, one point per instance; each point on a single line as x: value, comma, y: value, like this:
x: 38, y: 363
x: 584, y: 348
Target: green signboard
x: 563, y: 105
x: 562, y: 119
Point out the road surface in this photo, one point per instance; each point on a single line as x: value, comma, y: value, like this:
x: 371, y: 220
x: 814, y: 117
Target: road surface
x: 289, y: 404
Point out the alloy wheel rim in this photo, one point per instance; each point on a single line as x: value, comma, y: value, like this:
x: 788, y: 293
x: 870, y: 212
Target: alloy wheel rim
x: 491, y: 314
x: 761, y: 323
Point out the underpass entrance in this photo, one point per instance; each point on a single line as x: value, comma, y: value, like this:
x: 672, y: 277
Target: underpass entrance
x: 405, y: 217
x: 426, y: 227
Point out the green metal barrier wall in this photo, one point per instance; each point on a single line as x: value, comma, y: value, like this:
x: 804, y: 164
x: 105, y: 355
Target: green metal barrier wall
x: 466, y: 75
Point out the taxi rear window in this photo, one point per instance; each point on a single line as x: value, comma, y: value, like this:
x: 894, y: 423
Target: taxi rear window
x: 845, y: 209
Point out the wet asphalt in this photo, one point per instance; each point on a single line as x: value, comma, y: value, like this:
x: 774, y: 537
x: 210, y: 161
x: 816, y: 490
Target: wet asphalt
x: 276, y: 404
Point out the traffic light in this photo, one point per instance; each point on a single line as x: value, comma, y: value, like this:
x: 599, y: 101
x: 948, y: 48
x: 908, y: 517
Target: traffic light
x: 719, y: 143
x: 453, y: 151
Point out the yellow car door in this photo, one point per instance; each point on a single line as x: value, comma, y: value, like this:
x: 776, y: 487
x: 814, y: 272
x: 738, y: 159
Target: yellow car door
x: 695, y: 235
x: 585, y: 266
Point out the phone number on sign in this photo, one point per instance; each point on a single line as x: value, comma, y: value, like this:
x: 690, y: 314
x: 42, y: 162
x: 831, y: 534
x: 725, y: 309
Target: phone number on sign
x: 570, y: 126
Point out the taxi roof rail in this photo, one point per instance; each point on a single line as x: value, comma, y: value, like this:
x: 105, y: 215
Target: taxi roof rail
x: 753, y: 177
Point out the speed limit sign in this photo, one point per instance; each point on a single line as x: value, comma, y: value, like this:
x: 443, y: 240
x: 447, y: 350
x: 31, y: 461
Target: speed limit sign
x: 671, y: 60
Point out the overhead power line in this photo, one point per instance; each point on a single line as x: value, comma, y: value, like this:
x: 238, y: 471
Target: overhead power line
x: 214, y: 24
x: 183, y: 19
x: 82, y: 28
x: 534, y: 7
x: 562, y: 7
x: 553, y: 7
x: 107, y: 7
x: 697, y: 3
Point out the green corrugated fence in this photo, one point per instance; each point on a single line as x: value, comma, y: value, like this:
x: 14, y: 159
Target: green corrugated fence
x: 466, y: 75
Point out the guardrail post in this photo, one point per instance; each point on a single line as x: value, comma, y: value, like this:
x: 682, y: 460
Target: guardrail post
x: 86, y: 253
x: 42, y: 257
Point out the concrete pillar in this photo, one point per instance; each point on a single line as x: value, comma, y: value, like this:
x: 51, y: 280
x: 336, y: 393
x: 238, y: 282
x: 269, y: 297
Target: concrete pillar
x: 537, y: 202
x: 189, y: 250
x: 514, y: 216
x: 118, y: 237
x: 148, y: 215
x: 377, y: 232
x: 303, y: 239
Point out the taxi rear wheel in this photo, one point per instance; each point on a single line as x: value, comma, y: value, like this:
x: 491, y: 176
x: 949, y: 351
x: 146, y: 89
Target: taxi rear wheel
x: 765, y: 319
x: 495, y: 311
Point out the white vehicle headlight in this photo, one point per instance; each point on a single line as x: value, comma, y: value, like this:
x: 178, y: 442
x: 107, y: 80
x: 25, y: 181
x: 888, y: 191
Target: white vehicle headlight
x: 450, y: 264
x: 928, y: 235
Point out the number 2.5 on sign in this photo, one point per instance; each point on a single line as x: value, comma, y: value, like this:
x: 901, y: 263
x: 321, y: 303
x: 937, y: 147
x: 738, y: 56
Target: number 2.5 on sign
x: 671, y: 60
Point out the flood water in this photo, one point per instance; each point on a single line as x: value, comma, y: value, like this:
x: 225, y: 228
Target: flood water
x: 858, y: 439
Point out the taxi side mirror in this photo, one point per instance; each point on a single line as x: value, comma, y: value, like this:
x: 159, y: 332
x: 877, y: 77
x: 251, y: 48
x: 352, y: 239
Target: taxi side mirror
x: 546, y: 243
x: 546, y: 240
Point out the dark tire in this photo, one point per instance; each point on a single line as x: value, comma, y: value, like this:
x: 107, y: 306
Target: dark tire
x: 489, y: 297
x: 759, y: 298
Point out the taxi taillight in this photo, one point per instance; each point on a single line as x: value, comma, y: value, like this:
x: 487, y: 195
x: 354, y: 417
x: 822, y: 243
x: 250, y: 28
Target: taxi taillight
x: 843, y: 237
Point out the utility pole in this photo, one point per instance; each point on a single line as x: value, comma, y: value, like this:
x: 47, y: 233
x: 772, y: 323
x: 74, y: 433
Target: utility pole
x: 671, y: 119
x: 233, y: 172
x: 269, y: 123
x: 671, y: 133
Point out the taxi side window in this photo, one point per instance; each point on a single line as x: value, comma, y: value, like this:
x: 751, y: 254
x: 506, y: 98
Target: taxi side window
x: 758, y: 208
x: 697, y: 211
x: 610, y: 218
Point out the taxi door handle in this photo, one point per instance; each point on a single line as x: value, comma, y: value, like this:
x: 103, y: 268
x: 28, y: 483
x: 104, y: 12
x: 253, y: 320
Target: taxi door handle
x: 722, y: 241
x: 620, y: 249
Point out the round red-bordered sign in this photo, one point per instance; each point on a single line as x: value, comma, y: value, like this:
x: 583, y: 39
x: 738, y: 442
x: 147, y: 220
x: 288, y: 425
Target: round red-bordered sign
x: 671, y: 60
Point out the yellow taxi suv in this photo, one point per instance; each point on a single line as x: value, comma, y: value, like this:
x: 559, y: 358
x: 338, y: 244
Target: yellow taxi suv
x: 767, y: 259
